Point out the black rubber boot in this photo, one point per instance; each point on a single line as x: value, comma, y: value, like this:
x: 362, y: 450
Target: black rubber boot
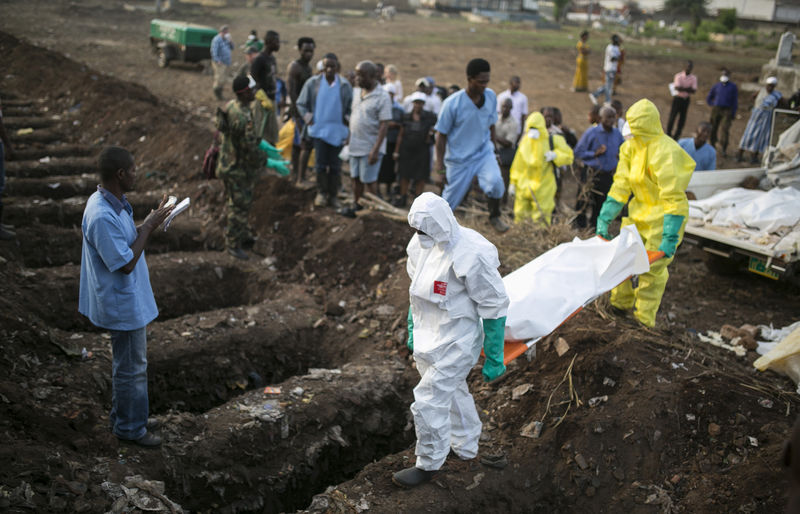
x: 494, y: 216
x: 148, y: 440
x: 412, y: 477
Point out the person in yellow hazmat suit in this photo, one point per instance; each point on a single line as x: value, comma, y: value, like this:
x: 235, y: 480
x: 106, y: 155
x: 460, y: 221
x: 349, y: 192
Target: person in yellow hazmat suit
x: 655, y: 170
x: 532, y: 176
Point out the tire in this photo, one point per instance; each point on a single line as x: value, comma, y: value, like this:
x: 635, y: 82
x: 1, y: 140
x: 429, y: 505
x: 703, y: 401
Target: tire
x: 163, y: 59
x: 722, y: 265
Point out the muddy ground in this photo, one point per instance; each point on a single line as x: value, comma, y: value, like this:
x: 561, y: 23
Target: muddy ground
x: 679, y: 426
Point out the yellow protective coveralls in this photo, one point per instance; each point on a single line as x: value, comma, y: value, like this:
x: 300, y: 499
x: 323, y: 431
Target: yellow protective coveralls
x: 532, y: 176
x: 656, y: 171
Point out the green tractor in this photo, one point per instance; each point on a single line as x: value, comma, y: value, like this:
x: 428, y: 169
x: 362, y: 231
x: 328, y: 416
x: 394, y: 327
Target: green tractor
x: 180, y: 41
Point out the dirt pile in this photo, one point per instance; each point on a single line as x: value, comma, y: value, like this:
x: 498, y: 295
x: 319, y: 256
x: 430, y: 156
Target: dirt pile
x: 282, y: 377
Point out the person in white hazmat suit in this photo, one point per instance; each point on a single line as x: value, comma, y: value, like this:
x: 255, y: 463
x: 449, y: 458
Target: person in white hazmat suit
x: 458, y: 306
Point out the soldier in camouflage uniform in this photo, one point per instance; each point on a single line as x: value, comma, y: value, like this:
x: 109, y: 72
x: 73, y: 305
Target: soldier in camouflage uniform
x: 240, y: 161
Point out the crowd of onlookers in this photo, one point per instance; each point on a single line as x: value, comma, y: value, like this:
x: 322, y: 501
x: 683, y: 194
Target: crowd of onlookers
x: 388, y: 138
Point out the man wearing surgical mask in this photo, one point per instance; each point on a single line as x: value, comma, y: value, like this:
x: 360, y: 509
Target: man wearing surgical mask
x: 723, y: 99
x: 458, y: 306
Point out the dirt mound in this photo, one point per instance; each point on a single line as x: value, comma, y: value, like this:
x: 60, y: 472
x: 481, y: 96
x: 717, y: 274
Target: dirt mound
x: 97, y: 109
x: 631, y: 421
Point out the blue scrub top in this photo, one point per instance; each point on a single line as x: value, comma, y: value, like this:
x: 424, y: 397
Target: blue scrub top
x: 108, y: 297
x: 467, y: 127
x: 705, y: 156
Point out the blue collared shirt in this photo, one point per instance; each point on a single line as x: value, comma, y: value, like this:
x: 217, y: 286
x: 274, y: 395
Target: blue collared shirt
x: 467, y: 127
x: 724, y: 94
x: 705, y: 156
x: 221, y: 50
x: 110, y: 298
x: 591, y: 141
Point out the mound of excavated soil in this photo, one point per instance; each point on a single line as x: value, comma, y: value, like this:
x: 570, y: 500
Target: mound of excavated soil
x: 632, y: 419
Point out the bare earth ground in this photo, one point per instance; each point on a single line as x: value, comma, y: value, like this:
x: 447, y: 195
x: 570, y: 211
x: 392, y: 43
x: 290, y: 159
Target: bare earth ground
x: 685, y: 427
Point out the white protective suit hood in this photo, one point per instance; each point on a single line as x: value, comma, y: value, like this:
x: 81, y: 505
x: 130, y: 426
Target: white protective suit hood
x: 432, y: 215
x: 454, y: 283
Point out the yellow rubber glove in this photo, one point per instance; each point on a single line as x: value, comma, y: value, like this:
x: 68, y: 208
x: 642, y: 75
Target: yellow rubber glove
x: 266, y: 103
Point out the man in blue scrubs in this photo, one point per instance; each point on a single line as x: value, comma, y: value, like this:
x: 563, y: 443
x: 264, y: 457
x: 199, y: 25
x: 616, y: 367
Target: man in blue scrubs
x: 466, y: 130
x: 115, y: 291
x: 698, y: 148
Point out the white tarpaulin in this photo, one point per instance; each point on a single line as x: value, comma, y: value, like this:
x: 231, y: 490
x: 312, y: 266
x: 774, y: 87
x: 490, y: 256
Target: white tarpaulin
x: 738, y: 207
x: 547, y: 290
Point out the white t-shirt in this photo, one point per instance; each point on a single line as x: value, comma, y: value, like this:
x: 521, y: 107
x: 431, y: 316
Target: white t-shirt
x: 433, y: 103
x: 612, y: 51
x: 519, y: 105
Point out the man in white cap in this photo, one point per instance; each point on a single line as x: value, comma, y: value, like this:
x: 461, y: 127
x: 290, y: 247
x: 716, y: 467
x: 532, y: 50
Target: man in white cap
x: 458, y: 306
x: 756, y: 134
x: 432, y: 101
x: 724, y: 100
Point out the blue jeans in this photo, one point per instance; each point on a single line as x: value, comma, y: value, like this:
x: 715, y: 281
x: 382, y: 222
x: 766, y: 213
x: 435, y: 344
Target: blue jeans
x: 606, y: 88
x: 129, y: 404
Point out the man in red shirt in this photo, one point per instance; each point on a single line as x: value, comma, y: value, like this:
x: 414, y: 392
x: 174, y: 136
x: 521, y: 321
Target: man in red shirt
x: 683, y: 86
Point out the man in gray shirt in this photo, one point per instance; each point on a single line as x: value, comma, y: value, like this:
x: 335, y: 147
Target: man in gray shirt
x: 371, y: 113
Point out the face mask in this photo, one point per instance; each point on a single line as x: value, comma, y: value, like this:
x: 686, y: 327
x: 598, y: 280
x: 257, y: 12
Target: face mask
x: 626, y: 131
x: 724, y: 79
x: 533, y: 133
x: 426, y: 241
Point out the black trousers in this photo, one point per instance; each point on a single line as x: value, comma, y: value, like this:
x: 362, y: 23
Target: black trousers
x: 679, y: 107
x: 601, y: 184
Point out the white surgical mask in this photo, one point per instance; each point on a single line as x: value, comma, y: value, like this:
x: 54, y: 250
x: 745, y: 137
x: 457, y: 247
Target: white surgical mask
x: 724, y: 78
x: 426, y: 241
x: 533, y: 133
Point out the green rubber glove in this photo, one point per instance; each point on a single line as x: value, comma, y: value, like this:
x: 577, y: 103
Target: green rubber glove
x: 271, y: 151
x: 278, y: 165
x: 670, y: 234
x: 410, y: 342
x: 608, y: 213
x: 493, y: 343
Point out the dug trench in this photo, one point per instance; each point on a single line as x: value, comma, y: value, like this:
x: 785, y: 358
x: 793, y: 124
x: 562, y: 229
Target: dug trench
x: 226, y: 330
x: 633, y: 419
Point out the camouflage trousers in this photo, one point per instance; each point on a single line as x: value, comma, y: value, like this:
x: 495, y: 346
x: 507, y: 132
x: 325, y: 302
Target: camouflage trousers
x: 239, y: 199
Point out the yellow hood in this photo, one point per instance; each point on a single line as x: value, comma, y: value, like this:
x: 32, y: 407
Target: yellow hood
x: 644, y: 120
x: 536, y: 120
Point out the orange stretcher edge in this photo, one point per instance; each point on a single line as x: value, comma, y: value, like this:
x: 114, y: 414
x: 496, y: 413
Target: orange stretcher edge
x: 514, y: 347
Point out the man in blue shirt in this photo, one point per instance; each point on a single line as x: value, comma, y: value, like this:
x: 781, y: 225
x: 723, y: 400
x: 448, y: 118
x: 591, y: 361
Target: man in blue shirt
x: 115, y: 292
x: 221, y: 47
x: 703, y: 154
x: 598, y: 148
x: 324, y: 104
x: 466, y: 129
x: 724, y: 100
